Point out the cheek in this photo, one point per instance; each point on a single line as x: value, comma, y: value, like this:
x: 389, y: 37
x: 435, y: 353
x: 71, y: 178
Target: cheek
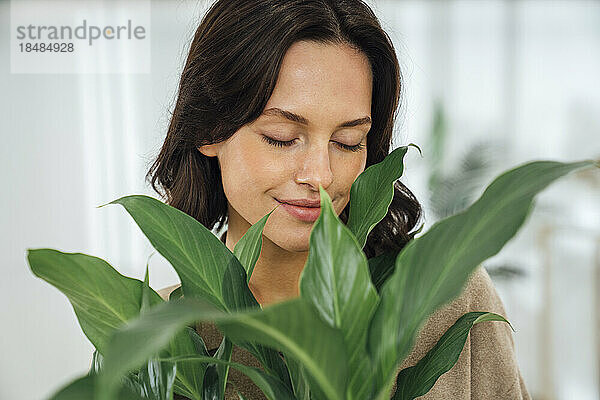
x: 250, y: 169
x: 355, y: 166
x: 346, y: 173
x: 236, y: 168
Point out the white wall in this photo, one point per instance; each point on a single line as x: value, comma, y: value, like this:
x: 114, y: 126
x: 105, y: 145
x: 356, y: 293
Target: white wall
x: 525, y: 75
x: 70, y: 143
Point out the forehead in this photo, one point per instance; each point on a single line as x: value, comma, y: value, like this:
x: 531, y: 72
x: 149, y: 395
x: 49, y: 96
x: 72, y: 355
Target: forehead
x: 331, y: 80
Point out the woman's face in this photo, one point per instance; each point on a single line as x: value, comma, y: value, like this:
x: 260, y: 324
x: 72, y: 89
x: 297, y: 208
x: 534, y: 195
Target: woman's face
x: 312, y: 132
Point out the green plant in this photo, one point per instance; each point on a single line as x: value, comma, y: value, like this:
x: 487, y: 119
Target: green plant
x: 356, y: 318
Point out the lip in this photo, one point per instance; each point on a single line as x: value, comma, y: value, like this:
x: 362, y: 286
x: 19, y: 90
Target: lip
x: 301, y: 212
x: 302, y: 202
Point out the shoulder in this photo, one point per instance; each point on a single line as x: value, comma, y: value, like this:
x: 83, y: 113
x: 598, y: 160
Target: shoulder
x: 166, y: 292
x: 478, y: 294
x: 481, y: 292
x: 487, y: 366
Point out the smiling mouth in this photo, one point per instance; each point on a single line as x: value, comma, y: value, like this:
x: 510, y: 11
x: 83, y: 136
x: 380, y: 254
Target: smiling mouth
x: 302, y: 203
x: 305, y: 214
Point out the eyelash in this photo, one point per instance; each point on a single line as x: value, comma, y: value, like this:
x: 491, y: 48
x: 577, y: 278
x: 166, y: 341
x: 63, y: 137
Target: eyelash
x: 280, y: 143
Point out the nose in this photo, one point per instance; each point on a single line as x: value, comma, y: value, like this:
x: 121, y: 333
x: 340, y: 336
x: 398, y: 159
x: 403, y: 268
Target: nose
x: 314, y: 168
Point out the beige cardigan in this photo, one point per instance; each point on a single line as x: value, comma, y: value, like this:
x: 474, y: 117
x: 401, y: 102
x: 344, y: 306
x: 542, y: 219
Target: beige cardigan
x: 486, y: 369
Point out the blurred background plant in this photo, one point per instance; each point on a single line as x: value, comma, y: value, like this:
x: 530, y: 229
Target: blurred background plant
x: 452, y: 188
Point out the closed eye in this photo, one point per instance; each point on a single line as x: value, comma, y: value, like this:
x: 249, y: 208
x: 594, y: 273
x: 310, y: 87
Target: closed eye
x: 281, y: 143
x: 278, y: 143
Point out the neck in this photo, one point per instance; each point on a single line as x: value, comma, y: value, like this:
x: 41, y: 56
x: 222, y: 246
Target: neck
x: 277, y: 271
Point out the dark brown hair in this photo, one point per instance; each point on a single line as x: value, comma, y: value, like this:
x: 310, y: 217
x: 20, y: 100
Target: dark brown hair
x: 229, y: 75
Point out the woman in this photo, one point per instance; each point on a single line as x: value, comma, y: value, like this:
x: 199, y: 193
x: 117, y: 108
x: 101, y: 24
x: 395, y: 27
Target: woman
x: 279, y: 97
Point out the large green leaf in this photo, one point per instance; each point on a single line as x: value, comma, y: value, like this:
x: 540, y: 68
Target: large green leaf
x: 223, y: 353
x: 141, y: 381
x: 295, y: 328
x: 298, y: 378
x: 292, y: 326
x: 247, y: 249
x: 157, y: 377
x: 201, y: 260
x: 83, y: 388
x: 190, y: 375
x: 206, y: 267
x: 372, y: 192
x: 381, y: 268
x: 272, y: 387
x: 336, y: 281
x: 211, y: 384
x: 432, y: 270
x: 417, y: 380
x: 237, y: 294
x: 102, y: 298
x: 96, y: 363
x: 146, y: 299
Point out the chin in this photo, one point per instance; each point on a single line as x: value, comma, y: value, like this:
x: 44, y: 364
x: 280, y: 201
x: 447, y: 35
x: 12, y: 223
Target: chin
x: 296, y: 244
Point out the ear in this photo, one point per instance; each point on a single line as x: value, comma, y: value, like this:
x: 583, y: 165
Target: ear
x: 210, y: 150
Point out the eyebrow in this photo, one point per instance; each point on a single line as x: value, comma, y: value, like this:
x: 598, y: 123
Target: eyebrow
x: 278, y: 112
